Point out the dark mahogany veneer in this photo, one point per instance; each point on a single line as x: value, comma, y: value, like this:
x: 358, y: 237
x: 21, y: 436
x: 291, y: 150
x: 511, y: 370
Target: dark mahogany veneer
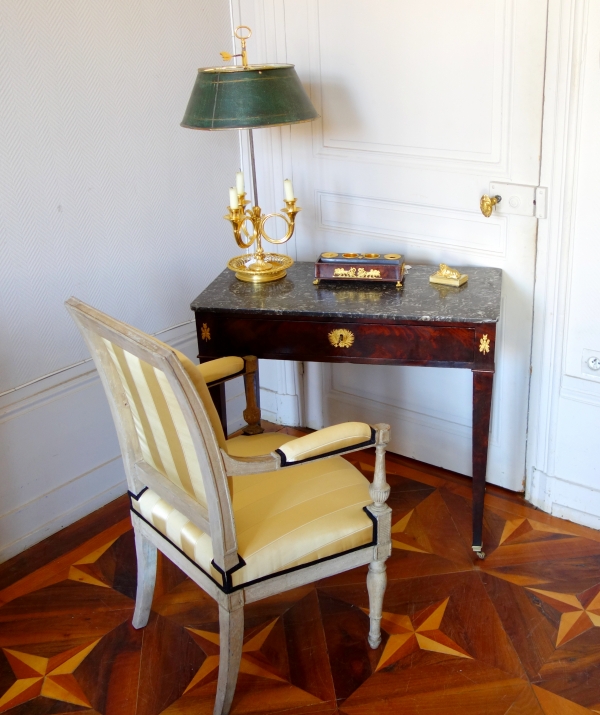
x: 294, y: 323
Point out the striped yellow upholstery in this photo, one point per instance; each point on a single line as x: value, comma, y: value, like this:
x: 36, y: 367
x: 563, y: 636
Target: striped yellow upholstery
x: 164, y: 438
x: 283, y: 519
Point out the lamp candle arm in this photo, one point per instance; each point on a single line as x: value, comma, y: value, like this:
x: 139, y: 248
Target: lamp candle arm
x: 238, y: 216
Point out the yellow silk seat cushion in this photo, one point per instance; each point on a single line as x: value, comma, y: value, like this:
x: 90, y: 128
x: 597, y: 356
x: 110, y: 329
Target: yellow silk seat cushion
x: 255, y: 445
x: 284, y: 519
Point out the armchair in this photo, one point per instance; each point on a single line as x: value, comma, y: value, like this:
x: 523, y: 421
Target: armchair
x: 245, y: 518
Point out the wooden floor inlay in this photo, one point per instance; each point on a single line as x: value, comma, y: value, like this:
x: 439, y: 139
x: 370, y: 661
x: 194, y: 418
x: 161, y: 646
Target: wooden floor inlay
x: 516, y: 634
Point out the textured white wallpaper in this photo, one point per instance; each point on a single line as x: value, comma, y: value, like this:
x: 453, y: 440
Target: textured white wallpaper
x: 102, y: 194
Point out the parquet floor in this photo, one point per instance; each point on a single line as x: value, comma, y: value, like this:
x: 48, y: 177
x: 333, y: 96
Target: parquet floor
x: 516, y: 634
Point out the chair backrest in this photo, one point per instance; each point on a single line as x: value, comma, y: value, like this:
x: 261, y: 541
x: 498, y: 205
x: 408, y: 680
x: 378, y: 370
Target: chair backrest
x: 168, y: 428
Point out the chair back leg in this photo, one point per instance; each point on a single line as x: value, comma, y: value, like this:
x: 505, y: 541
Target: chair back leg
x: 231, y: 625
x: 146, y: 578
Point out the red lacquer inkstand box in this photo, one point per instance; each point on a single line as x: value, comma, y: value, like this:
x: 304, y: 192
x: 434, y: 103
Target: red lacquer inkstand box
x: 368, y: 267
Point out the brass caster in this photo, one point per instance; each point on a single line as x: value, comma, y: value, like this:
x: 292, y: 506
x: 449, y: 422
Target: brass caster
x: 398, y: 285
x: 316, y: 282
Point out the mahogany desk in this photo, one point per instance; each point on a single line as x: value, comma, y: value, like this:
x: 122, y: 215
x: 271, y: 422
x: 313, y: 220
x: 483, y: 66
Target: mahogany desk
x: 420, y: 324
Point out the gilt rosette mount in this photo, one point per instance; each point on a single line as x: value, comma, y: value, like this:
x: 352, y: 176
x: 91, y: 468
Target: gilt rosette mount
x: 251, y: 96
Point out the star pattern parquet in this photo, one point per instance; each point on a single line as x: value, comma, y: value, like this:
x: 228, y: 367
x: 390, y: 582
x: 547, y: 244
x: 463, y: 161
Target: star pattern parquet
x: 516, y: 634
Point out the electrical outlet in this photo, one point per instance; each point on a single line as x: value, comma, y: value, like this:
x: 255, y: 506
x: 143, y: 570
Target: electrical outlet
x: 590, y: 363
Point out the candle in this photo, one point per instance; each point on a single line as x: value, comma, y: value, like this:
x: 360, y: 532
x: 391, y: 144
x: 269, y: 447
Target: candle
x: 233, y: 199
x: 288, y: 190
x: 239, y: 182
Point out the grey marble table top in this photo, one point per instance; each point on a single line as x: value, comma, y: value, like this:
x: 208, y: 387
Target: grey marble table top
x: 478, y: 301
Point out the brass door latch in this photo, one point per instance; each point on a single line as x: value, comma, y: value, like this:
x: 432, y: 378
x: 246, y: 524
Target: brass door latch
x: 487, y: 204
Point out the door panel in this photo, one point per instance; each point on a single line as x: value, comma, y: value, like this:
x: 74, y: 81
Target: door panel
x: 402, y: 68
x: 423, y: 104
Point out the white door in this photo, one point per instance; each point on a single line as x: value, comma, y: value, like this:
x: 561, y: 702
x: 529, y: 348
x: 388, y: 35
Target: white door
x: 424, y: 103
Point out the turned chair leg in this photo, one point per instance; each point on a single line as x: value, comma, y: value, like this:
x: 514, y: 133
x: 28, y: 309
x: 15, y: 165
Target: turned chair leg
x: 377, y: 577
x: 376, y: 583
x: 146, y: 578
x: 231, y: 639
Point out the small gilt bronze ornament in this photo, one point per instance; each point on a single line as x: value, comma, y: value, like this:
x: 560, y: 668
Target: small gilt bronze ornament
x: 448, y: 276
x: 205, y: 332
x: 484, y: 345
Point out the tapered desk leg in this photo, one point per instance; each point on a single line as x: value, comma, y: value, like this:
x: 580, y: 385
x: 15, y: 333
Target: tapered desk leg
x: 482, y: 406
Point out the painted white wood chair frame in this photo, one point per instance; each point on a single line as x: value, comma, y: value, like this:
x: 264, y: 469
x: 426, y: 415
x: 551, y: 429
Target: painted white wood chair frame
x: 217, y: 519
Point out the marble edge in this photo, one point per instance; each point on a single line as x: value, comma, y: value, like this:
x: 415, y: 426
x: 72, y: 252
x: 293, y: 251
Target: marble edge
x: 197, y: 306
x: 324, y: 314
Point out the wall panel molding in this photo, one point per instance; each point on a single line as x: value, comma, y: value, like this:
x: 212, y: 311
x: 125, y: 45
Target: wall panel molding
x: 562, y: 459
x: 60, y: 455
x: 103, y: 194
x: 562, y: 108
x: 500, y: 83
x: 413, y: 223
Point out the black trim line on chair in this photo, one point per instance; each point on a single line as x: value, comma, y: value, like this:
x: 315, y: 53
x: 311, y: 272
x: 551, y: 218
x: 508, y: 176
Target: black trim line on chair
x: 231, y: 589
x: 181, y: 551
x: 373, y: 518
x: 136, y: 496
x: 352, y: 447
x: 226, y: 575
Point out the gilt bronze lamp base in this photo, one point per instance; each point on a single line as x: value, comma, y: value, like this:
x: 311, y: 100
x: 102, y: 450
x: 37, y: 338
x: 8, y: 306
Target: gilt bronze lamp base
x: 269, y: 267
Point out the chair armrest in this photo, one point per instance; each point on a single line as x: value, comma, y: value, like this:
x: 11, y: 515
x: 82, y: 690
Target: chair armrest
x: 338, y: 439
x: 240, y: 466
x: 221, y: 369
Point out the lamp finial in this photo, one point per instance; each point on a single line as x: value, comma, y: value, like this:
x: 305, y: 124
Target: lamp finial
x: 244, y: 55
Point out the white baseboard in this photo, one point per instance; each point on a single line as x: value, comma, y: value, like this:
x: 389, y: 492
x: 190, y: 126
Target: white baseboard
x: 60, y: 507
x: 564, y: 499
x: 417, y: 435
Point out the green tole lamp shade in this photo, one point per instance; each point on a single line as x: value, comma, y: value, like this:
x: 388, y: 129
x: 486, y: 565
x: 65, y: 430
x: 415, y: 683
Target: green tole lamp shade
x: 241, y: 97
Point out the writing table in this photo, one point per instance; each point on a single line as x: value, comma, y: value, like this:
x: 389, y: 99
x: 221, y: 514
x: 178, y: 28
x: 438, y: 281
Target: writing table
x: 359, y: 322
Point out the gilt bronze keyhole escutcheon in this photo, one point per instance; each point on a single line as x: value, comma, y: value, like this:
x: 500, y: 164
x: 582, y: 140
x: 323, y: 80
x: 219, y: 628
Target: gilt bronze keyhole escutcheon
x: 341, y: 338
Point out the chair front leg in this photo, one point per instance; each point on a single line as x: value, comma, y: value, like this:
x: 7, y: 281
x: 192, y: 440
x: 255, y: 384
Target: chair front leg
x: 146, y: 578
x: 377, y: 577
x: 231, y: 639
x: 376, y: 583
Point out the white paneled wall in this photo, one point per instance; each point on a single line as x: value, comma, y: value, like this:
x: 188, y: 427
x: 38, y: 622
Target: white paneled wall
x: 422, y: 105
x: 564, y: 451
x: 103, y: 196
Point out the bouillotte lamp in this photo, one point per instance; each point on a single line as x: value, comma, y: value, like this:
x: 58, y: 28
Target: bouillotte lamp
x: 248, y: 97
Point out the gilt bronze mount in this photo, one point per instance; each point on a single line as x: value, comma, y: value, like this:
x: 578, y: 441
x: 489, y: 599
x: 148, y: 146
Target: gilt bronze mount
x: 448, y: 276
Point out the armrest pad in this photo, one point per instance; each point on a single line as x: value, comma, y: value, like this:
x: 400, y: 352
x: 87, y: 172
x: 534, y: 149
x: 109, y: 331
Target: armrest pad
x: 220, y: 368
x: 330, y: 440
